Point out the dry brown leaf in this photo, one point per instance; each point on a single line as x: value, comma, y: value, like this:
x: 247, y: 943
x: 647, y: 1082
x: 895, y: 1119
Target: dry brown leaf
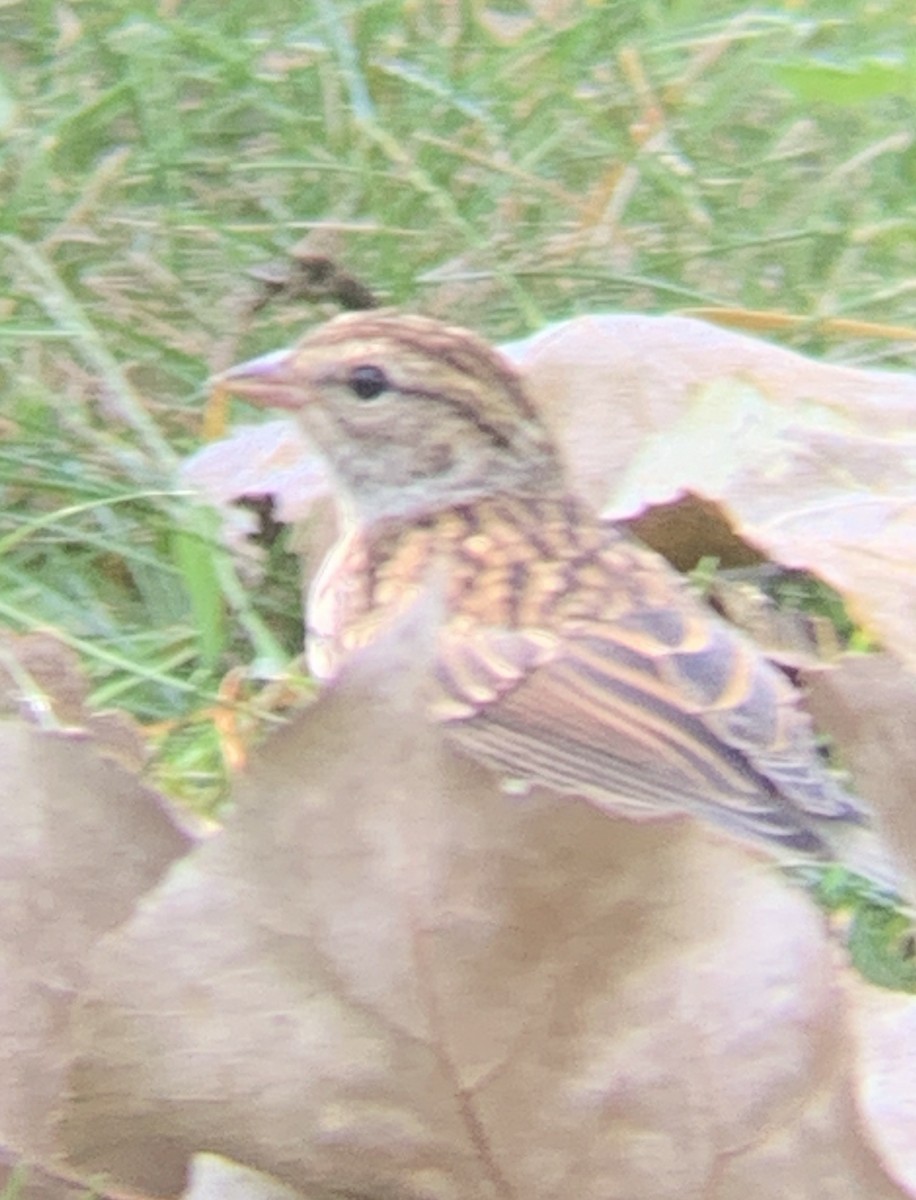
x: 272, y: 459
x: 386, y: 977
x: 813, y: 463
x: 868, y: 706
x: 42, y: 680
x: 885, y: 1027
x: 21, y: 1180
x: 80, y: 840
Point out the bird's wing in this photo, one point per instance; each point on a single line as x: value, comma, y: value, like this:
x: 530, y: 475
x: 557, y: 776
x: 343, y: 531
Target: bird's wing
x: 660, y: 710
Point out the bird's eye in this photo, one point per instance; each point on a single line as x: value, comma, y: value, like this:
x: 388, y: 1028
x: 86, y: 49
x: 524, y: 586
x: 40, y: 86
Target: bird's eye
x: 368, y: 382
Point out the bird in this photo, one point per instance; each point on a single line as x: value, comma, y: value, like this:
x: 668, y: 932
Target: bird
x: 568, y: 655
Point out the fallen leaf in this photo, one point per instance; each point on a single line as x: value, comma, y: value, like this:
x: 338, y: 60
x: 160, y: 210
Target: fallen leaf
x: 80, y: 840
x: 812, y: 463
x: 885, y: 1027
x: 868, y: 706
x: 24, y: 1180
x: 272, y: 459
x: 42, y: 680
x: 387, y: 977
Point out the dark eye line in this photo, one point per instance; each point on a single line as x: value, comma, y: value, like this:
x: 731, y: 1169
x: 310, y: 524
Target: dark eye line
x: 496, y: 436
x: 467, y: 410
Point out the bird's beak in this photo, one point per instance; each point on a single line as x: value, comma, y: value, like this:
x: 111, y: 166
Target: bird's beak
x: 269, y: 381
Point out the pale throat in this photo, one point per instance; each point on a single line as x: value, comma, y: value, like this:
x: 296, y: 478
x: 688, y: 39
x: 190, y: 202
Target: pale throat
x: 412, y: 486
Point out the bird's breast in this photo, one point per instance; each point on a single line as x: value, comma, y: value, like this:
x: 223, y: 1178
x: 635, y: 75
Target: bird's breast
x: 509, y: 564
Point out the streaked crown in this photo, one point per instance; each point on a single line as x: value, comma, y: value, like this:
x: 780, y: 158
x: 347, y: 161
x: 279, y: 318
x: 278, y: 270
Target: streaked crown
x: 411, y: 414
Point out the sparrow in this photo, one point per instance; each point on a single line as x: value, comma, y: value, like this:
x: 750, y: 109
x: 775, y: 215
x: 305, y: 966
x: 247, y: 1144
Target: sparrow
x: 569, y: 655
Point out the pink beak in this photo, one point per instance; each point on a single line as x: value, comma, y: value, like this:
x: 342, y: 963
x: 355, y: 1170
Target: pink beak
x: 268, y: 381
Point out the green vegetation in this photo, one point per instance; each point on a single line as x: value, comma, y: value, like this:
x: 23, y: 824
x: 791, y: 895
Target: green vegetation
x: 503, y: 166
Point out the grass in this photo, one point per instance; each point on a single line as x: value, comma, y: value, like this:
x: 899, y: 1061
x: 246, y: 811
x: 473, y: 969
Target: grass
x: 505, y: 166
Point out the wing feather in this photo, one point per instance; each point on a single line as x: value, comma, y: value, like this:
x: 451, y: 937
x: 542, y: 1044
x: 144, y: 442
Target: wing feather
x: 653, y: 712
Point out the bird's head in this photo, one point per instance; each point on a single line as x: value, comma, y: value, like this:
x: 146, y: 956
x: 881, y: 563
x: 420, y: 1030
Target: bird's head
x: 410, y: 414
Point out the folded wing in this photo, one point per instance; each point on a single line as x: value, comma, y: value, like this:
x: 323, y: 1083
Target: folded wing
x: 656, y: 711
